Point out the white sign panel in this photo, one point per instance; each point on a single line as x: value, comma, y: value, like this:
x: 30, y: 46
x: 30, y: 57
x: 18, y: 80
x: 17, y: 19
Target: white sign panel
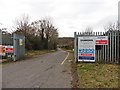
x: 86, y: 48
x: 101, y: 40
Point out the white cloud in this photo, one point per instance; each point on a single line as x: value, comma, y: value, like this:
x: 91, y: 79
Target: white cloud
x: 68, y: 15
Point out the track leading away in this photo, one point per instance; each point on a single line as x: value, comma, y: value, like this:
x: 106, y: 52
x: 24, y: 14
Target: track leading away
x: 45, y: 71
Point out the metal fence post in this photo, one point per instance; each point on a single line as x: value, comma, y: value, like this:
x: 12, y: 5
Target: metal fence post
x: 24, y: 45
x: 118, y: 48
x: 75, y: 47
x: 107, y: 47
x: 112, y: 47
x: 105, y: 53
x: 14, y: 46
x: 115, y: 46
x: 98, y: 56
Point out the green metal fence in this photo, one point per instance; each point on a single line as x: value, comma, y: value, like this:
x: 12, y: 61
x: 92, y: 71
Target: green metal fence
x: 106, y: 53
x: 18, y: 43
x: 19, y: 46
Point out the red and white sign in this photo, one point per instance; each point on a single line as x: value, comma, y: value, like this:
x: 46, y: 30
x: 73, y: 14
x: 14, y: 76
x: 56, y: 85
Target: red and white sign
x: 86, y: 55
x: 102, y: 40
x: 9, y: 49
x: 2, y: 50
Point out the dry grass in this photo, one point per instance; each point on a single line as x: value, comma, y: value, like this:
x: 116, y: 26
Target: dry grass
x: 74, y: 74
x: 70, y: 57
x: 93, y: 75
x: 37, y: 52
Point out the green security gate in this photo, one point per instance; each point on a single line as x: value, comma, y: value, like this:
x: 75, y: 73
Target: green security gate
x: 17, y: 42
x: 19, y: 46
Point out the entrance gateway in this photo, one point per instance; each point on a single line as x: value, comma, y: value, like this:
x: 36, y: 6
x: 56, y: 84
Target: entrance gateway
x: 12, y: 46
x: 86, y: 47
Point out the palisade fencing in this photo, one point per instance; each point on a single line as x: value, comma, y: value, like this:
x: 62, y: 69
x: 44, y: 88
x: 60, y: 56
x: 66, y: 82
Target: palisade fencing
x: 104, y: 53
x: 18, y: 43
x: 7, y: 39
x: 19, y: 46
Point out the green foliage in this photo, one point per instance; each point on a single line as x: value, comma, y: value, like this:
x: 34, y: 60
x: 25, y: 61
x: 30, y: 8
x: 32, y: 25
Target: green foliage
x: 66, y: 47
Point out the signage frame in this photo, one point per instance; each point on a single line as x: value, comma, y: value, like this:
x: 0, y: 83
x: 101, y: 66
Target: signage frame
x: 86, y: 48
x: 101, y: 40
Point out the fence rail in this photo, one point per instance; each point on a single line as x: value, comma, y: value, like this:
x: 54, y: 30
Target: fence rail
x: 106, y: 53
x: 7, y: 39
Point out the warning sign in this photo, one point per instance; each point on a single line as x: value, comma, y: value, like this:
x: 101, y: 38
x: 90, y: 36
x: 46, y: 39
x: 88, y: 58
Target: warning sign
x: 86, y: 49
x: 20, y: 42
x: 102, y: 40
x: 9, y: 49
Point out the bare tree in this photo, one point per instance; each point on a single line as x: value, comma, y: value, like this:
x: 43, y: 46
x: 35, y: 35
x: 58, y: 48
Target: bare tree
x: 22, y: 25
x: 51, y: 33
x: 87, y: 31
x: 111, y: 27
x: 40, y: 34
x: 46, y: 32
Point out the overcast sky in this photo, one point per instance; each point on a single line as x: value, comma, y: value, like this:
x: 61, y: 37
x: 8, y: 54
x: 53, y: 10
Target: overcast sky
x: 68, y: 15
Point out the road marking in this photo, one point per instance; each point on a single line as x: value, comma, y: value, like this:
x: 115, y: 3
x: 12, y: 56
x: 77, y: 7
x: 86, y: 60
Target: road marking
x: 65, y: 59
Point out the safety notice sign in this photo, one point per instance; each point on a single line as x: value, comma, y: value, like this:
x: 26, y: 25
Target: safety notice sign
x: 86, y: 48
x: 9, y: 49
x: 102, y: 40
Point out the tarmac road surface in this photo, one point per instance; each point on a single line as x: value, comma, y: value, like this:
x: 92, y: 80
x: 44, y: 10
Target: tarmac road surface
x: 44, y: 71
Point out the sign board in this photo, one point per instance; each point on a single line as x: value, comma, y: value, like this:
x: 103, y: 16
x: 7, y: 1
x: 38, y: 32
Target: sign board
x: 2, y: 50
x: 20, y: 42
x: 101, y: 40
x: 9, y: 49
x: 86, y: 48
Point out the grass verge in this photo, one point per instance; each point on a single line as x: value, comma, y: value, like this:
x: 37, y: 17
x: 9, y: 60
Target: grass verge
x: 74, y: 74
x: 32, y: 53
x: 93, y: 75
